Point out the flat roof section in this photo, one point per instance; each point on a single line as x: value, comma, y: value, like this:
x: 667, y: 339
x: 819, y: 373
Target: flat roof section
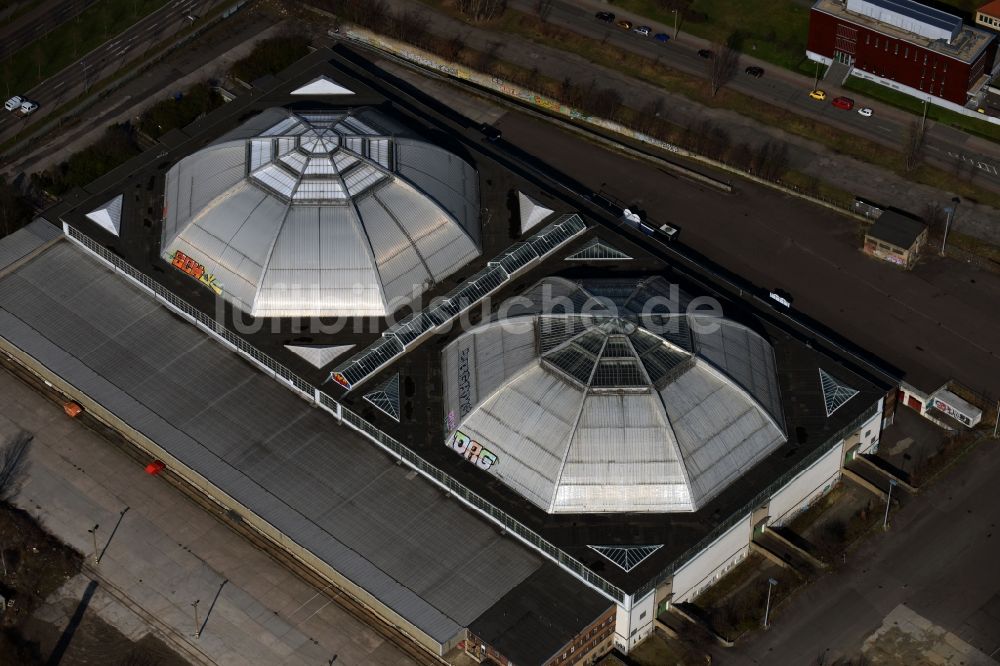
x: 540, y: 616
x: 897, y: 229
x: 330, y: 491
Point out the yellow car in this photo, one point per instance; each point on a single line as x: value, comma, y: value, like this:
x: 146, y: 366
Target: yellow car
x: 818, y: 94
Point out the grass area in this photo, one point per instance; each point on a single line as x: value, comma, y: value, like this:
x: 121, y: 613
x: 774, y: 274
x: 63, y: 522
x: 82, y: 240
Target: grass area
x: 777, y: 35
x: 63, y: 46
x: 975, y: 246
x: 113, y: 149
x: 742, y: 610
x: 170, y: 113
x: 659, y: 651
x: 813, y: 186
x: 912, y: 104
x: 270, y: 57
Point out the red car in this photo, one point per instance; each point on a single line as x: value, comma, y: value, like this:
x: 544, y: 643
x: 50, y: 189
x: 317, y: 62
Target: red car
x: 845, y: 103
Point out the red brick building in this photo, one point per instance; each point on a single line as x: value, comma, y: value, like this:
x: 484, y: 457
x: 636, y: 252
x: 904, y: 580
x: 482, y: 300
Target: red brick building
x: 904, y: 45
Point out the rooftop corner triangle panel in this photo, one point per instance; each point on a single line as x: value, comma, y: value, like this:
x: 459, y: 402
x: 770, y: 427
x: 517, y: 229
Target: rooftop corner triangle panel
x: 835, y: 394
x: 318, y: 355
x: 598, y: 250
x: 627, y: 557
x: 532, y: 212
x: 322, y: 86
x: 386, y: 397
x: 109, y: 216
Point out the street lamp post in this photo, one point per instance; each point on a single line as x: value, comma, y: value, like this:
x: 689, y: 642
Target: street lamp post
x: 996, y: 422
x: 197, y: 629
x: 675, y: 24
x: 93, y: 533
x: 767, y: 607
x: 888, y: 501
x: 947, y: 223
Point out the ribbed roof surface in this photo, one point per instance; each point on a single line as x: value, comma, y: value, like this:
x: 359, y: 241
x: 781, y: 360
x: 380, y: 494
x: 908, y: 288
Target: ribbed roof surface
x: 582, y: 404
x: 322, y: 214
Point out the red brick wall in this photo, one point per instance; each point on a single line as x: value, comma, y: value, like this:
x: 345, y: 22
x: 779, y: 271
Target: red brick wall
x: 899, y: 60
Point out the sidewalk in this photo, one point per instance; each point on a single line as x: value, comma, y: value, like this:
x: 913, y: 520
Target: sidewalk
x: 168, y: 552
x: 807, y: 156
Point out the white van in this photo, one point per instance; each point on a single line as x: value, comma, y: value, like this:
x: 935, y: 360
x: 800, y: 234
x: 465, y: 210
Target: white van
x: 28, y: 107
x: 13, y: 103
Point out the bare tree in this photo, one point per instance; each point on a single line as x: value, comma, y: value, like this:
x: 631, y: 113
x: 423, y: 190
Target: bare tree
x: 913, y: 149
x: 722, y: 65
x: 771, y: 161
x: 453, y: 47
x: 482, y: 10
x: 934, y: 216
x: 13, y: 462
x: 543, y: 8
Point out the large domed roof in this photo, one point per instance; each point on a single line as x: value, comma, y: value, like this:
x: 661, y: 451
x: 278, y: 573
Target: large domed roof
x: 321, y: 214
x: 595, y: 406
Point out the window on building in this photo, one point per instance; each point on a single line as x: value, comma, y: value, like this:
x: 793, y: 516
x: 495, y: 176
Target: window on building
x: 868, y: 39
x: 906, y: 52
x: 642, y: 615
x: 876, y: 42
x: 925, y: 58
x: 896, y: 47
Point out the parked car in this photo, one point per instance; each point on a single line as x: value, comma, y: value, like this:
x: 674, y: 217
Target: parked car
x: 865, y: 112
x: 625, y: 25
x: 662, y: 37
x: 607, y: 17
x: 845, y: 103
x: 13, y: 103
x: 818, y: 94
x: 643, y: 30
x: 28, y: 107
x: 754, y: 71
x: 705, y: 53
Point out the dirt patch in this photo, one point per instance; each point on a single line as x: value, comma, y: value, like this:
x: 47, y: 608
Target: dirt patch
x: 35, y: 564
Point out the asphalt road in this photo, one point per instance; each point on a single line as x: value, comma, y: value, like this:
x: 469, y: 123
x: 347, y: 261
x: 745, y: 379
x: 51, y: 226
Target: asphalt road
x: 944, y: 145
x: 77, y: 78
x: 17, y: 34
x: 932, y: 323
x: 939, y: 559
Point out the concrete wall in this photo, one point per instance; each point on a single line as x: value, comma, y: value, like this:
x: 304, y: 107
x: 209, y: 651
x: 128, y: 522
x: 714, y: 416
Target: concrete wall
x: 635, y: 624
x: 709, y: 565
x: 870, y: 432
x: 811, y: 483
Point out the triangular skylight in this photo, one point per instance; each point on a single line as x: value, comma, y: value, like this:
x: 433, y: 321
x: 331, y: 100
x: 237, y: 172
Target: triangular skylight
x: 386, y: 397
x: 318, y: 355
x: 598, y: 250
x: 835, y: 394
x: 322, y: 86
x: 626, y: 557
x: 532, y: 212
x: 109, y: 216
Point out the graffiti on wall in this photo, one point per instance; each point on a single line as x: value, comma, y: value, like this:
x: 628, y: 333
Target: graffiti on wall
x: 471, y: 450
x: 189, y: 266
x: 464, y: 384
